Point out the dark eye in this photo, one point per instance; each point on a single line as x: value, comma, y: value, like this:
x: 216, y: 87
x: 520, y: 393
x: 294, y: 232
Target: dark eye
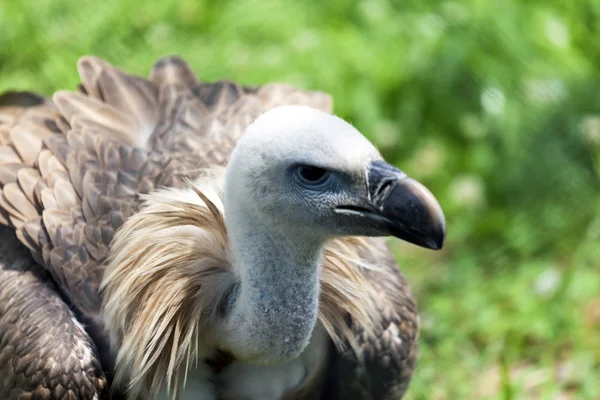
x: 312, y: 176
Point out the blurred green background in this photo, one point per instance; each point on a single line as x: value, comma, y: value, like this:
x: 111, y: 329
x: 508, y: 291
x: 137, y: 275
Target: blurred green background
x: 495, y: 105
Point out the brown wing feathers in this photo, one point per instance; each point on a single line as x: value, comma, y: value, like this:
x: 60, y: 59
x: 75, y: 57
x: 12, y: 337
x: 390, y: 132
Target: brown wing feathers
x: 87, y: 175
x: 22, y: 131
x: 44, y: 352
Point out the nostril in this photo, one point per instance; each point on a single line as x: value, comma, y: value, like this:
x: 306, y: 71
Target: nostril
x: 383, y: 190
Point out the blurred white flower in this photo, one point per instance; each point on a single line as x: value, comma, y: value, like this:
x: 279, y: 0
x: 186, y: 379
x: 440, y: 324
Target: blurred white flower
x: 547, y: 283
x: 543, y: 91
x: 590, y: 127
x: 557, y: 32
x: 492, y: 100
x: 467, y: 191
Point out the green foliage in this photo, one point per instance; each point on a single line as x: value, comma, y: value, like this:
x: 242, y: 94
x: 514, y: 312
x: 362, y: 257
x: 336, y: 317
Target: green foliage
x: 493, y: 105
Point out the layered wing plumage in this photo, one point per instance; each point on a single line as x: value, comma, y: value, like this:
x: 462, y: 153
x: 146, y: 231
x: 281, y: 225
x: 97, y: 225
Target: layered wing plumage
x: 44, y: 351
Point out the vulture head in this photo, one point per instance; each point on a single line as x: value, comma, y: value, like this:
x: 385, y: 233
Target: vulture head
x: 311, y: 174
x: 297, y: 178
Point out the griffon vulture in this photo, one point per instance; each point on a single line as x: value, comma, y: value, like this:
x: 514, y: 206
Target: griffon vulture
x: 201, y: 240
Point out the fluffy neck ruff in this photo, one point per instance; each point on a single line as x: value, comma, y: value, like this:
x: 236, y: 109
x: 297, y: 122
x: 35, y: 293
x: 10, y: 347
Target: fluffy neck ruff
x: 170, y: 270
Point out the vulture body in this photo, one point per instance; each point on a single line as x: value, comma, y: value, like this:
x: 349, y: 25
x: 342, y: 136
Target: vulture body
x: 124, y: 267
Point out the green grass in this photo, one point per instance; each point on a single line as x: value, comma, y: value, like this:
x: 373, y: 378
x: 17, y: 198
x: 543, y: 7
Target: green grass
x: 532, y: 319
x: 493, y: 105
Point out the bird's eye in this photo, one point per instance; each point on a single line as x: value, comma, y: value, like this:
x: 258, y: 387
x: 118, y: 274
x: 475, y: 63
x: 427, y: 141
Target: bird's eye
x: 312, y: 176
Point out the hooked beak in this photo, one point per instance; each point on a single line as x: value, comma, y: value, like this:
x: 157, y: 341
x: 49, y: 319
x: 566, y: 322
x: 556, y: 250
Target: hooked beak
x: 402, y: 207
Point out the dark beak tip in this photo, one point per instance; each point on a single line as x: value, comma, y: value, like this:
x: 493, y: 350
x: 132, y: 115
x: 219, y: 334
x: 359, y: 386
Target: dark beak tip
x: 438, y: 243
x: 424, y: 213
x: 435, y: 246
x: 434, y: 240
x: 440, y: 235
x: 413, y: 212
x: 430, y: 214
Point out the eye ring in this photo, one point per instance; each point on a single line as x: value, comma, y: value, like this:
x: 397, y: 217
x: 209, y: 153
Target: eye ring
x: 311, y: 176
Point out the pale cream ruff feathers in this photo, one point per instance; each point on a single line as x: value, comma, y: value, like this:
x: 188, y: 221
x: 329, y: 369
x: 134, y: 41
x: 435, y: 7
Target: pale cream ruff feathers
x: 169, y: 268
